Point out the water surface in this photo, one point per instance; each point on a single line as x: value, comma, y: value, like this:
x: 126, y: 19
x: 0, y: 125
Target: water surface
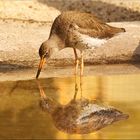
x: 22, y: 117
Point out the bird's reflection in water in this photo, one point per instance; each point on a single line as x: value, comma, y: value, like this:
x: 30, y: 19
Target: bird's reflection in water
x: 80, y: 116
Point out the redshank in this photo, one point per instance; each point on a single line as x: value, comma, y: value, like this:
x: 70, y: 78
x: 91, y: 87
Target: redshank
x: 77, y: 30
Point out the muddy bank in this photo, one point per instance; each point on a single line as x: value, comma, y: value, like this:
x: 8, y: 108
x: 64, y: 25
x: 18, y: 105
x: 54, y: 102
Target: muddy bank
x: 20, y: 42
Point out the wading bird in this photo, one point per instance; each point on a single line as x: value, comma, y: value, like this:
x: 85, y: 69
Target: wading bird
x: 77, y: 30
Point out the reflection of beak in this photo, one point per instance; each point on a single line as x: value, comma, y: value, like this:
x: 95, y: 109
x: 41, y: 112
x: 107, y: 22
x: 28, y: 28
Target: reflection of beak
x: 42, y: 93
x: 42, y: 61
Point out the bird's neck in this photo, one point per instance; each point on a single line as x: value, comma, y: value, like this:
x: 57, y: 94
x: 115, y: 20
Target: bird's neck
x: 56, y: 42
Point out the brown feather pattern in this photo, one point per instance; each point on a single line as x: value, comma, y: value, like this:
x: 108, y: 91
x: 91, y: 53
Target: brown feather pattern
x: 88, y: 24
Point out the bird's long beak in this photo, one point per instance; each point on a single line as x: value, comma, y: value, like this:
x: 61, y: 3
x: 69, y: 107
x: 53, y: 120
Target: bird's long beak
x: 42, y: 61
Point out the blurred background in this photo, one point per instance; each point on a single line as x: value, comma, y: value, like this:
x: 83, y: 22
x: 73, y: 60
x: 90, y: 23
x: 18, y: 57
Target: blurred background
x: 47, y: 10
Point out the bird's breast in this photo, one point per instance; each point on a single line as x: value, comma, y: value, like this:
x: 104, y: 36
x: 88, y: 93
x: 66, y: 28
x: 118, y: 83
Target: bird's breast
x: 82, y: 41
x: 91, y: 41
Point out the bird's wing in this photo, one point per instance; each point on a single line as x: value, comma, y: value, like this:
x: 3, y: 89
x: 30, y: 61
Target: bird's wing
x: 87, y: 24
x: 100, y: 31
x: 76, y: 34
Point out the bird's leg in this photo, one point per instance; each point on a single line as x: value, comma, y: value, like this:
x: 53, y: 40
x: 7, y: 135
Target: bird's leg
x: 81, y: 72
x: 76, y: 61
x: 81, y: 64
x: 76, y: 88
x: 76, y: 69
x: 81, y: 86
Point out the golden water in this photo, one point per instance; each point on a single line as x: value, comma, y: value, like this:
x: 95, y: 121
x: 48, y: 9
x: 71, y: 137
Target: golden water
x: 22, y: 117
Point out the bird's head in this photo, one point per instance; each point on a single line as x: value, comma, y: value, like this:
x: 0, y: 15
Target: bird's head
x: 44, y: 53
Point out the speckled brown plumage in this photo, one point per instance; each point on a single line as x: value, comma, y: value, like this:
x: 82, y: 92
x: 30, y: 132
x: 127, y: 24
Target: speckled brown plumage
x: 88, y: 24
x: 77, y: 30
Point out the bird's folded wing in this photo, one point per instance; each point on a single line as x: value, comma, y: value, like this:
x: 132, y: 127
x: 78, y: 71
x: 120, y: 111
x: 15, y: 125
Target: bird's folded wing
x: 98, y: 32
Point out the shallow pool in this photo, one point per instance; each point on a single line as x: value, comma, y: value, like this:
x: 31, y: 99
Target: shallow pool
x: 21, y: 115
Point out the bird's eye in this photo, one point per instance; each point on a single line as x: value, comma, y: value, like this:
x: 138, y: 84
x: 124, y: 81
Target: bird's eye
x: 47, y: 54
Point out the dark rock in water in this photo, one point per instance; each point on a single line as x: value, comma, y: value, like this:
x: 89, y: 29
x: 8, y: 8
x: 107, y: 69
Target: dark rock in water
x: 81, y: 116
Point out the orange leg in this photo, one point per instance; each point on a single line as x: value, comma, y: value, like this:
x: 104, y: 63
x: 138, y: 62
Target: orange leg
x: 76, y: 88
x: 81, y: 64
x: 76, y: 61
x: 81, y: 72
x: 76, y: 69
